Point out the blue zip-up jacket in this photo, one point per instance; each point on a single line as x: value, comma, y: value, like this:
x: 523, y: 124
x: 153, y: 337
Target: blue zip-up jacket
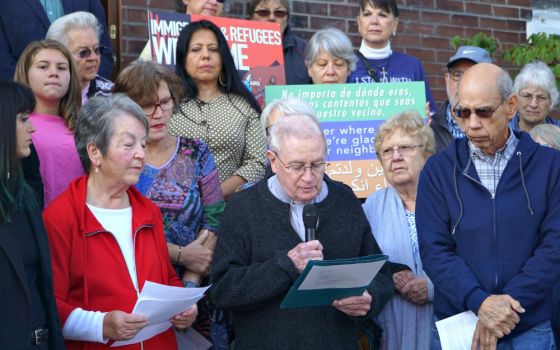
x: 473, y: 245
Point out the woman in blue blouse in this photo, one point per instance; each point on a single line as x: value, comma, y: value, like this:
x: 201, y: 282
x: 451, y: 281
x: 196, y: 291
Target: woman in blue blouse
x: 180, y: 177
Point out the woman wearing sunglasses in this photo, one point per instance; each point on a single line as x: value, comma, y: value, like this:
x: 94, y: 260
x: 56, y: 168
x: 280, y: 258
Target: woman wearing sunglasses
x: 80, y: 32
x: 48, y: 69
x: 278, y: 11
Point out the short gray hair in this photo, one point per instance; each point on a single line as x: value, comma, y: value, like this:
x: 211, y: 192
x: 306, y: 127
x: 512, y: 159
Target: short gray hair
x: 286, y: 106
x: 539, y: 75
x: 96, y: 121
x: 549, y: 133
x: 504, y: 85
x: 301, y: 126
x: 335, y: 43
x: 59, y: 29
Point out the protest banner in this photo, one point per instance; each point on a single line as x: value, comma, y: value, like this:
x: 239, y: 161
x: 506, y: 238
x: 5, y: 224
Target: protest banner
x: 350, y: 115
x: 256, y: 47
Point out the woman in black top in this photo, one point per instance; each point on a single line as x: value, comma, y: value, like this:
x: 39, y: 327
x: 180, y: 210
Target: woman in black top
x: 28, y: 319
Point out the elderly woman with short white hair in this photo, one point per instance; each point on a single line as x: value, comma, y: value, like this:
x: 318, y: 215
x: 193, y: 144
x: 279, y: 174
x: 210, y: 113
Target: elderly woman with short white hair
x: 107, y: 239
x: 80, y: 32
x: 537, y: 95
x: 329, y: 57
x: 403, y: 143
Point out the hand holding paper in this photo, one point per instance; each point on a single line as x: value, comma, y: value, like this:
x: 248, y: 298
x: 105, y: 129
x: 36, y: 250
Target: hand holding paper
x: 186, y: 318
x: 354, y: 306
x: 118, y: 325
x: 161, y: 305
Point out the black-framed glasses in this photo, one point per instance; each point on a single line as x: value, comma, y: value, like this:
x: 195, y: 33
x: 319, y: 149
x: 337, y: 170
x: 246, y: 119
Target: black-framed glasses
x: 298, y: 169
x: 277, y: 13
x: 484, y: 112
x: 165, y: 105
x: 86, y: 52
x: 455, y: 74
x: 404, y: 150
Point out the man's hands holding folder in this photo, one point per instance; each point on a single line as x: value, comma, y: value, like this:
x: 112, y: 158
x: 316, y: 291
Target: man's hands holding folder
x: 303, y: 252
x: 354, y: 306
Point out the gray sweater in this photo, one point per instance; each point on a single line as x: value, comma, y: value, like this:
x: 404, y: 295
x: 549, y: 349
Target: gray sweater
x: 251, y: 271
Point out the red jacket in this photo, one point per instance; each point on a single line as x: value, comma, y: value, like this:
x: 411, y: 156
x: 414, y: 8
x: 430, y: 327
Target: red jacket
x: 88, y: 266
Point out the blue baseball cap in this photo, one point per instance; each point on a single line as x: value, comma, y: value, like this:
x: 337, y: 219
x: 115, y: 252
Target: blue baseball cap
x: 472, y: 53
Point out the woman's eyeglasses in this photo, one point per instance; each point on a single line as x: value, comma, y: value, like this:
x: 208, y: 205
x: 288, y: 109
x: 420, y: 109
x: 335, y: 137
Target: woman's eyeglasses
x: 404, y: 150
x: 165, y: 105
x: 484, y: 112
x: 85, y: 53
x: 277, y: 13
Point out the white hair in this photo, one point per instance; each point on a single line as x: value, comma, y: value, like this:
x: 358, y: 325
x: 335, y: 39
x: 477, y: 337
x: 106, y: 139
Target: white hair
x: 59, y: 29
x: 301, y: 126
x: 539, y: 75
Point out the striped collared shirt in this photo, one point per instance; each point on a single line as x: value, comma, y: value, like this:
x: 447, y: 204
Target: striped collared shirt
x: 490, y: 167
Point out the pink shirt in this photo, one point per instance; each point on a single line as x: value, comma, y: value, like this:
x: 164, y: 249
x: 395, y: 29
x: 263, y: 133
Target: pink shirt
x: 57, y: 153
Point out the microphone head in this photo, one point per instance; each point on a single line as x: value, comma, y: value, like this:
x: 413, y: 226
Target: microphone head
x: 310, y: 216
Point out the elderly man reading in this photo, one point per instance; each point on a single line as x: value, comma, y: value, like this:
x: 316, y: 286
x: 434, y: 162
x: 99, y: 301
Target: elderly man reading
x: 261, y: 249
x: 488, y: 220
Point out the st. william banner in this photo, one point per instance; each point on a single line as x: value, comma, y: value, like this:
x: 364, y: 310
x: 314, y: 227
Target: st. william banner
x: 256, y: 47
x: 350, y: 115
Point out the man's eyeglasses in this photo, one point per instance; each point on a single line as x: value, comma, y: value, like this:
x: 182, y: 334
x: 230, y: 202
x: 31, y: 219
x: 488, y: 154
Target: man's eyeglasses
x: 455, y: 74
x: 165, y: 105
x: 277, y: 13
x: 299, y: 168
x: 484, y: 112
x: 404, y: 150
x: 85, y: 53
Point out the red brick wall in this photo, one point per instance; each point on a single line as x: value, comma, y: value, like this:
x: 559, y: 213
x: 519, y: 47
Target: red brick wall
x: 424, y: 31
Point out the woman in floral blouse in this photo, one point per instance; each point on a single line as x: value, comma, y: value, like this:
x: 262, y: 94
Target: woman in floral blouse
x: 180, y: 177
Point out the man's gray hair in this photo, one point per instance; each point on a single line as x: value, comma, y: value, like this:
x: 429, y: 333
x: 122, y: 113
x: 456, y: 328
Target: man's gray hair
x: 96, y: 120
x: 59, y: 29
x: 286, y: 106
x: 335, y: 43
x: 539, y: 75
x: 505, y: 85
x: 300, y: 126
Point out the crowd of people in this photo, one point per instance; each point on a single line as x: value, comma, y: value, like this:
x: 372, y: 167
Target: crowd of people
x: 179, y: 178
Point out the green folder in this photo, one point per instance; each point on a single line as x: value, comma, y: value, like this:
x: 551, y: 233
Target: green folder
x: 323, y: 281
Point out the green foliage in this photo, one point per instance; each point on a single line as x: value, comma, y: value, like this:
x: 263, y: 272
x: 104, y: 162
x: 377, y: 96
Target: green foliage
x: 480, y: 39
x: 540, y: 47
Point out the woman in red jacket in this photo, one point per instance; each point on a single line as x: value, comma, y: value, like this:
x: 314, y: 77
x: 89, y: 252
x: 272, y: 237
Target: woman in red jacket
x: 106, y: 239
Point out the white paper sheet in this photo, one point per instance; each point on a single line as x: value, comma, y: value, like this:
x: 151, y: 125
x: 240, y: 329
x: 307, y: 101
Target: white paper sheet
x: 456, y: 332
x: 341, y: 276
x: 159, y: 303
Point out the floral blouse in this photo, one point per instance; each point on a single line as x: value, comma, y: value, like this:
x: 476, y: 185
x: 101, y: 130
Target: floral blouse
x: 187, y: 191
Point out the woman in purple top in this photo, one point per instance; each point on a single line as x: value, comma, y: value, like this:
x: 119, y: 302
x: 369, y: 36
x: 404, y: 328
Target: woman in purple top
x: 48, y: 69
x: 180, y: 177
x: 377, y: 62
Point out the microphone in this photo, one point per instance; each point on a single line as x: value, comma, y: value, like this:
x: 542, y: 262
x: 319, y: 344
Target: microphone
x: 310, y: 221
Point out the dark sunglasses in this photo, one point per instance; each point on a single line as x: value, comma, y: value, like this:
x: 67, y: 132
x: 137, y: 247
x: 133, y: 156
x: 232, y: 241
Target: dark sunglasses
x: 277, y: 13
x: 220, y: 1
x: 85, y: 53
x: 485, y: 112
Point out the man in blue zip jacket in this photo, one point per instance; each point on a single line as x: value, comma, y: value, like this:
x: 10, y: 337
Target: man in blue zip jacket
x: 488, y: 219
